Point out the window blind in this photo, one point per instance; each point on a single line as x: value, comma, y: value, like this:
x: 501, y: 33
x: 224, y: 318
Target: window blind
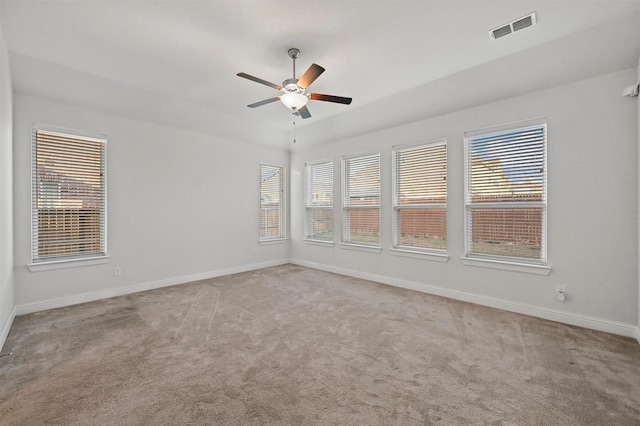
x: 420, y: 196
x: 272, y: 217
x: 505, y: 193
x: 68, y: 196
x: 361, y: 203
x: 319, y: 201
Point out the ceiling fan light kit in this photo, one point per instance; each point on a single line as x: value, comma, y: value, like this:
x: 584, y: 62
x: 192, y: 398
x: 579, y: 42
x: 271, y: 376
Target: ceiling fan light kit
x: 294, y: 101
x: 294, y: 94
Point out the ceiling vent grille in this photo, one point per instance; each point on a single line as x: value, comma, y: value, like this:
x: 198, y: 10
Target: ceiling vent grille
x: 512, y: 27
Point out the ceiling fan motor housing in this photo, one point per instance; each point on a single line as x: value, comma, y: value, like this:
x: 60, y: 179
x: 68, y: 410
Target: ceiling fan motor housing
x: 290, y: 85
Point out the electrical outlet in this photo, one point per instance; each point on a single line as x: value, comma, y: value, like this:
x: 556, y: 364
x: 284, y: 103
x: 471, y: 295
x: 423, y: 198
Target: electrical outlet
x: 561, y: 292
x: 117, y: 271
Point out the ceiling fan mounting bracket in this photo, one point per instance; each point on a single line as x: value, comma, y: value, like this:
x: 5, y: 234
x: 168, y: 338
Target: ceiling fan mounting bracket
x: 293, y: 53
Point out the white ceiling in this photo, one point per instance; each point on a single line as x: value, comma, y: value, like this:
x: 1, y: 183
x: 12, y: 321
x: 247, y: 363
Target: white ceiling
x: 176, y: 61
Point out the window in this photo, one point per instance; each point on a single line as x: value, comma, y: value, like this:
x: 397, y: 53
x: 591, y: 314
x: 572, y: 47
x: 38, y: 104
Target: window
x: 420, y: 197
x: 319, y: 201
x: 68, y: 196
x: 272, y: 217
x: 361, y: 204
x: 506, y: 194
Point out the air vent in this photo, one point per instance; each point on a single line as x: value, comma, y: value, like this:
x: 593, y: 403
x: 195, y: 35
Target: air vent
x: 512, y: 27
x: 501, y: 32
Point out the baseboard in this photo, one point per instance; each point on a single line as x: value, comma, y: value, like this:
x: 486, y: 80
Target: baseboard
x: 584, y: 321
x: 28, y: 308
x: 7, y: 327
x: 593, y: 323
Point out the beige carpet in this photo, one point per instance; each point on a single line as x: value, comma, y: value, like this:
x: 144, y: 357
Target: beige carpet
x: 295, y: 346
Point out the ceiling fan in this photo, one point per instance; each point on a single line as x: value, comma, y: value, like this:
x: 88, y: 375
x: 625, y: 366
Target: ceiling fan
x: 294, y: 94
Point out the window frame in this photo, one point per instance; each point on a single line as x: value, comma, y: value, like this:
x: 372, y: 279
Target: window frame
x: 346, y: 206
x: 282, y: 211
x: 101, y: 256
x: 520, y: 264
x: 310, y: 207
x: 432, y: 253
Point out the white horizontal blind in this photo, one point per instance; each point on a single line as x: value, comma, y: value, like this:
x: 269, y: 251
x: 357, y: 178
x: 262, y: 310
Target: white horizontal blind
x: 361, y: 204
x: 68, y: 196
x: 506, y: 193
x: 420, y: 197
x: 319, y: 201
x: 272, y: 217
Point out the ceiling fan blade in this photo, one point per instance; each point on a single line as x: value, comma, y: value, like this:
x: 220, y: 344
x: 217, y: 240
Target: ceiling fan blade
x: 304, y: 112
x: 310, y: 75
x: 259, y: 80
x: 266, y: 101
x: 330, y: 98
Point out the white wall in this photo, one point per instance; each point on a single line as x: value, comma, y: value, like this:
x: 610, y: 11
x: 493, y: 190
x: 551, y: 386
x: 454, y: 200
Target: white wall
x: 181, y: 206
x: 6, y: 200
x: 592, y: 213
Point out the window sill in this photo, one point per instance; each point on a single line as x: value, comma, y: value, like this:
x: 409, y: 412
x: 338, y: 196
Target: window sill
x: 414, y: 254
x: 273, y: 241
x: 361, y: 247
x: 318, y: 242
x: 67, y: 263
x: 507, y: 266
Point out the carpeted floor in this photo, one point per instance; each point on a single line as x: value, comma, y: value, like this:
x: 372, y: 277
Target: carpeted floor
x: 295, y: 346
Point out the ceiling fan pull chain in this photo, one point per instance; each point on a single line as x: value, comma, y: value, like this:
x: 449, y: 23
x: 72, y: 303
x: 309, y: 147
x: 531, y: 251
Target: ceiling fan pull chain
x: 294, y: 129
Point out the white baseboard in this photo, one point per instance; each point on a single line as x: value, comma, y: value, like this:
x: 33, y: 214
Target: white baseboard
x: 584, y: 321
x: 7, y: 327
x: 28, y: 308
